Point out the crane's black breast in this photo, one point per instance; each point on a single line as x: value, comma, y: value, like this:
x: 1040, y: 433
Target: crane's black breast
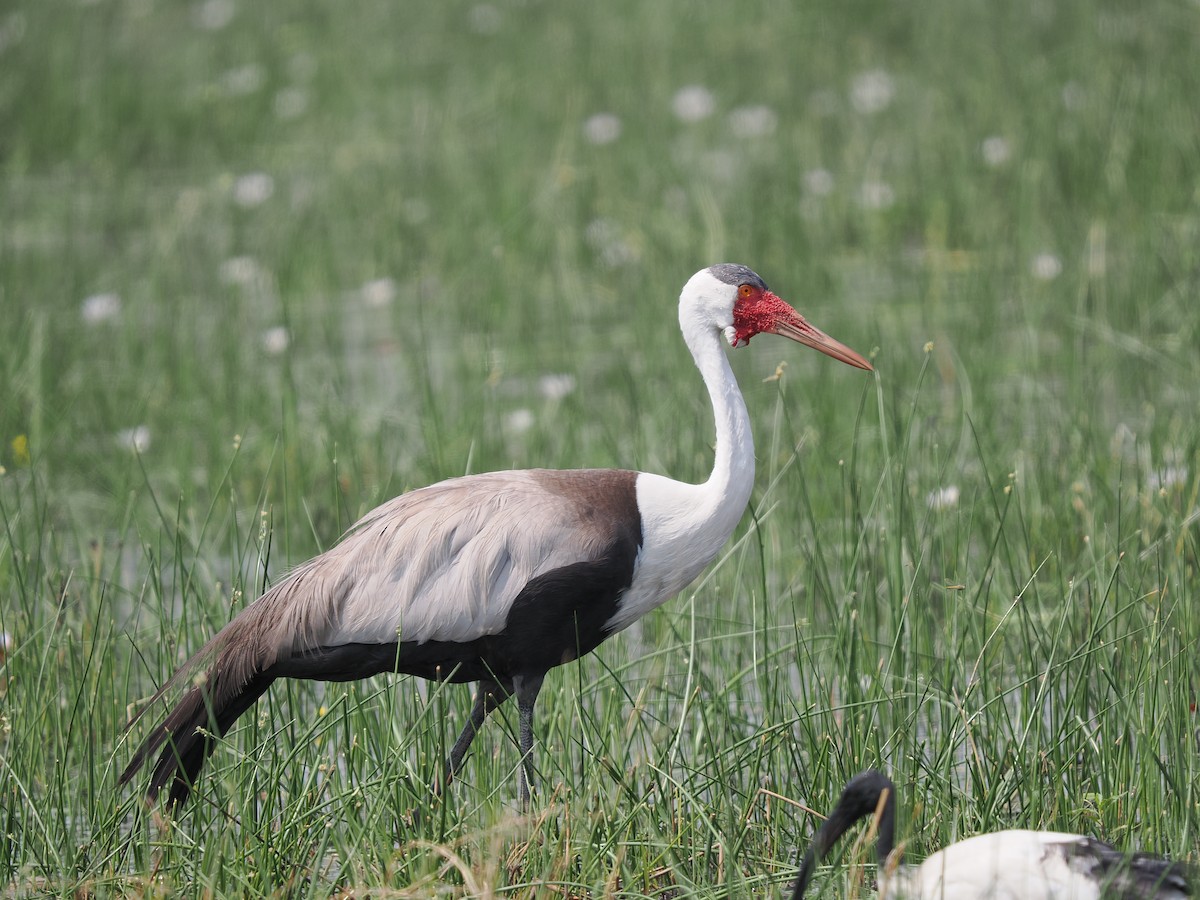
x: 561, y: 615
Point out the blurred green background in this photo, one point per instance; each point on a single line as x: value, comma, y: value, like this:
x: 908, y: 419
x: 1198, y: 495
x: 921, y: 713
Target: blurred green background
x: 263, y: 266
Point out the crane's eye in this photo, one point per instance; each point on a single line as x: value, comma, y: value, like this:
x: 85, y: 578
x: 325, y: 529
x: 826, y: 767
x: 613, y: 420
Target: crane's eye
x: 745, y: 290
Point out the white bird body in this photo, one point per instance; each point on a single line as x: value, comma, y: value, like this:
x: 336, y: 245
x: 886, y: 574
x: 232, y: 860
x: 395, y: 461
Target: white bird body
x: 1004, y: 865
x: 494, y: 578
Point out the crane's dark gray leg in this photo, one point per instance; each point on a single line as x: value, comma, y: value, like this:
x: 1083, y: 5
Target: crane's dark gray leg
x: 526, y: 688
x: 488, y: 696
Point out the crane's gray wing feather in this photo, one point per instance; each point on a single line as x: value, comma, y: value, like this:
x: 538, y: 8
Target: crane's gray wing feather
x: 446, y: 562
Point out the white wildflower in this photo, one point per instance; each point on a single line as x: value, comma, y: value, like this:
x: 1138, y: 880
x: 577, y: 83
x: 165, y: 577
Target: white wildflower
x: 555, y: 387
x: 872, y: 91
x: 240, y: 270
x: 693, y: 103
x: 818, y: 182
x: 996, y: 150
x: 100, y: 308
x: 379, y: 292
x: 253, y: 189
x: 943, y: 498
x: 276, y: 340
x: 1046, y: 267
x: 518, y: 421
x: 599, y: 232
x: 602, y: 128
x: 136, y: 439
x: 1168, y: 478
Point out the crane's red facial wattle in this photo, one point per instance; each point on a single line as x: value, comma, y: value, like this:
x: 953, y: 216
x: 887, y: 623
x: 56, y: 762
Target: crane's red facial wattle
x: 756, y: 311
x: 761, y: 312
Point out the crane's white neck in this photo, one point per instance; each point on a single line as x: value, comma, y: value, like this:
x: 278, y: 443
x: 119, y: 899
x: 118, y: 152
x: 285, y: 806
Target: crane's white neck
x: 728, y: 487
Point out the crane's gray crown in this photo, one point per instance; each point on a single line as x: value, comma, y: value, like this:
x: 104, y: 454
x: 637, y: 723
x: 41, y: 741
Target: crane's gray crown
x: 733, y: 274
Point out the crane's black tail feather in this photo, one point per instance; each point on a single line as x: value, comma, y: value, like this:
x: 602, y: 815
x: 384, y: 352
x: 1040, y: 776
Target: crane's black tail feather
x: 189, y: 734
x: 234, y: 681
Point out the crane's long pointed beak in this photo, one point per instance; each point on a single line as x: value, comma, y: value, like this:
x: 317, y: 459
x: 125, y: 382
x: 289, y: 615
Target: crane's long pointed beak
x: 811, y: 336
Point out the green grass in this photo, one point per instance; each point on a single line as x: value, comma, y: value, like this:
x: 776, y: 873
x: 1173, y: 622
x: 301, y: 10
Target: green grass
x: 1026, y: 655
